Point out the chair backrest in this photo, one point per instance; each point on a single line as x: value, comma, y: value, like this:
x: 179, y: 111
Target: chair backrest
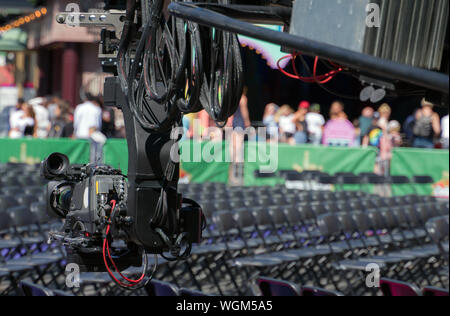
x: 347, y: 222
x: 438, y: 228
x: 5, y: 221
x: 245, y: 219
x: 423, y: 212
x: 362, y: 220
x: 39, y: 211
x: 356, y: 205
x: 236, y: 204
x: 24, y: 199
x: 443, y: 207
x: 21, y: 216
x: 343, y: 206
x: 159, y: 288
x: 396, y: 288
x: 208, y: 208
x: 413, y: 217
x: 376, y: 219
x: 262, y: 217
x: 306, y: 212
x: 30, y: 289
x: 224, y: 221
x: 293, y: 215
x: 318, y: 209
x: 329, y: 225
x: 400, y: 215
x: 389, y: 218
x: 7, y: 202
x: 272, y: 287
x: 222, y: 205
x: 314, y: 291
x: 434, y: 291
x: 278, y: 216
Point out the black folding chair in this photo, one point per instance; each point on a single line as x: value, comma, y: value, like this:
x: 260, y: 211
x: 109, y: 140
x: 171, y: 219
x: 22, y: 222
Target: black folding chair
x: 159, y: 288
x: 31, y: 289
x: 271, y: 287
x: 391, y: 287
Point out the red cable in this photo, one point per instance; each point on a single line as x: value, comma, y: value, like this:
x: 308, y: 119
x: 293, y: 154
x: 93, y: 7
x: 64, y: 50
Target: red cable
x: 320, y: 79
x: 106, y: 250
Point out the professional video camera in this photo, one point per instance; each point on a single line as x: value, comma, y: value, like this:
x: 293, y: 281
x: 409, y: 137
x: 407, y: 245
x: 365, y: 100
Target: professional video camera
x: 98, y: 225
x: 169, y: 58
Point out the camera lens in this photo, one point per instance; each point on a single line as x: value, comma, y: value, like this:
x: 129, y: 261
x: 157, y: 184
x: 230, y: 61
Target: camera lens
x: 55, y: 165
x: 60, y: 198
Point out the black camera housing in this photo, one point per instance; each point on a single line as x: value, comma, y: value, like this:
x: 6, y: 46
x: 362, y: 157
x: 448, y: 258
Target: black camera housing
x: 82, y: 195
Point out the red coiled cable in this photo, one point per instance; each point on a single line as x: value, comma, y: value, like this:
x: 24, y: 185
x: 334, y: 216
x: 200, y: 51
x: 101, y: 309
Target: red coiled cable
x: 107, y: 251
x: 320, y: 79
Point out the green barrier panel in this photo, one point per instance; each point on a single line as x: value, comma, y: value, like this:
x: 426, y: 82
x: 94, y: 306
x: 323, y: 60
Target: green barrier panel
x: 206, y: 162
x: 32, y: 151
x: 410, y: 162
x: 326, y: 159
x: 194, y: 166
x: 115, y: 153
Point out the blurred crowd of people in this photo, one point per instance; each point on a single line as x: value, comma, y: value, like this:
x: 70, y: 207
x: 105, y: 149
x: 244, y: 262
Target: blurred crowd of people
x: 307, y: 125
x: 52, y: 117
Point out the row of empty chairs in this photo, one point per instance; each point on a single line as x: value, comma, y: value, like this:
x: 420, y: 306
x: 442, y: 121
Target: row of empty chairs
x: 387, y: 287
x: 320, y: 240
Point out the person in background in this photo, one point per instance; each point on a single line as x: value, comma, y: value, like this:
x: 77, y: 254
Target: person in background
x: 108, y: 120
x: 389, y: 139
x: 26, y: 124
x: 337, y: 111
x: 43, y: 124
x: 315, y: 122
x: 357, y: 142
x: 53, y: 102
x: 240, y: 121
x: 119, y: 123
x: 269, y: 119
x: 14, y: 118
x: 385, y: 115
x: 445, y: 132
x: 301, y: 134
x: 62, y: 125
x: 395, y: 138
x: 408, y: 128
x: 427, y: 126
x: 285, y: 120
x: 87, y: 117
x: 375, y: 133
x: 365, y: 120
x: 207, y: 127
x: 338, y: 131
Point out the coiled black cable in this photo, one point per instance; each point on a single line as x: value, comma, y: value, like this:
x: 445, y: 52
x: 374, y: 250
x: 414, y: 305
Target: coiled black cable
x: 177, y: 65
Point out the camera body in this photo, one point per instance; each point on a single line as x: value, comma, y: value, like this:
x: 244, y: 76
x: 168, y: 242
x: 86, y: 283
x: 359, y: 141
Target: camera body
x: 92, y: 198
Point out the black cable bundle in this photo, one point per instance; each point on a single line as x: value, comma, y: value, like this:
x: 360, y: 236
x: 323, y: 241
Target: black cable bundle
x: 178, y: 65
x: 223, y: 82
